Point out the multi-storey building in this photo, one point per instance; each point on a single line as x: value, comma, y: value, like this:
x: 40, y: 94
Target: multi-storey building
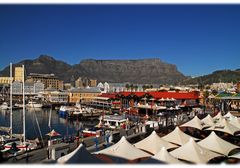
x: 30, y: 88
x: 18, y: 75
x: 5, y: 80
x: 49, y: 80
x: 84, y: 82
x: 83, y: 94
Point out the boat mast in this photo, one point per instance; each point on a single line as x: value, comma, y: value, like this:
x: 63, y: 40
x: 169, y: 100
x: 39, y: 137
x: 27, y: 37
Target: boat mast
x: 24, y: 120
x: 11, y: 126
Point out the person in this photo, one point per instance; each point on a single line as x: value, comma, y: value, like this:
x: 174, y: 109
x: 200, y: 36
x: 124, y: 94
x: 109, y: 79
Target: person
x: 96, y: 143
x: 15, y: 156
x: 107, y: 138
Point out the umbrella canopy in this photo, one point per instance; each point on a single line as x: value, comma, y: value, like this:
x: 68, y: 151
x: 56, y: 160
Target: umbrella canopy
x: 53, y: 133
x: 229, y: 116
x: 208, y: 120
x: 177, y: 137
x: 124, y: 149
x: 153, y: 143
x: 218, y: 118
x: 79, y: 155
x: 217, y: 144
x: 165, y: 156
x: 237, y: 155
x: 193, y: 152
x: 235, y: 121
x: 194, y: 123
x: 224, y: 126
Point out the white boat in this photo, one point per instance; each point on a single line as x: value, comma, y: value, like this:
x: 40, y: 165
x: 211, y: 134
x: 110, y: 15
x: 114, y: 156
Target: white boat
x: 33, y: 104
x: 4, y: 106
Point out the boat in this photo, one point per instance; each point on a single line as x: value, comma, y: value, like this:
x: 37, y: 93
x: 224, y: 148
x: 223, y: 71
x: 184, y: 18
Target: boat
x: 33, y: 104
x: 112, y: 121
x: 4, y: 106
x: 91, y: 132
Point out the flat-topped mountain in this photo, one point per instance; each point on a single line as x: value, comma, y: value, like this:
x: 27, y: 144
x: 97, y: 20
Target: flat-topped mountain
x: 142, y: 71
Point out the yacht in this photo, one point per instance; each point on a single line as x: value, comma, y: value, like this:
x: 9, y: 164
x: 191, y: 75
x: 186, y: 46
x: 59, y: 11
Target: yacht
x: 4, y: 106
x: 33, y: 104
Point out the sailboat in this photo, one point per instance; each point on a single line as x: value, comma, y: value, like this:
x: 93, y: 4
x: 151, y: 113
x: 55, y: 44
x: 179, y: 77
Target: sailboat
x: 23, y: 144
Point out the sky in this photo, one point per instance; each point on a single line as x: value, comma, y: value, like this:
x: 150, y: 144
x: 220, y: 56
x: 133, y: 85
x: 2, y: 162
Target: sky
x: 198, y: 39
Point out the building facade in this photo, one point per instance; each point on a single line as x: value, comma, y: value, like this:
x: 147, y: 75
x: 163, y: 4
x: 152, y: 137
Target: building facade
x: 5, y: 80
x: 18, y: 74
x: 29, y: 88
x: 49, y: 80
x: 82, y: 95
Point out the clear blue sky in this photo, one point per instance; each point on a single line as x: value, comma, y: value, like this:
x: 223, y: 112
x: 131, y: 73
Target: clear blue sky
x: 198, y: 39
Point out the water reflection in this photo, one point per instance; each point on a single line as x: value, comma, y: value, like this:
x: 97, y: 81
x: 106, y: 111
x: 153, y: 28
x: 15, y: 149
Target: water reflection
x: 61, y: 125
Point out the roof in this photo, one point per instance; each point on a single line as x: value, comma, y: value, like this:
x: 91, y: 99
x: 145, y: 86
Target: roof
x: 79, y: 155
x: 177, y: 137
x: 165, y: 156
x: 175, y: 95
x: 217, y: 144
x: 193, y: 152
x: 138, y: 94
x: 86, y: 90
x: 124, y: 149
x: 153, y: 143
x: 108, y: 95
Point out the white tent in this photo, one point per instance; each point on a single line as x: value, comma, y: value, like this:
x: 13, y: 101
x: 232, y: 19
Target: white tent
x: 165, y: 156
x: 79, y: 155
x: 194, y: 123
x: 124, y: 149
x: 153, y: 143
x: 218, y: 118
x: 237, y: 155
x: 208, y: 120
x: 229, y: 116
x: 224, y: 126
x: 193, y: 152
x: 217, y: 144
x: 177, y: 137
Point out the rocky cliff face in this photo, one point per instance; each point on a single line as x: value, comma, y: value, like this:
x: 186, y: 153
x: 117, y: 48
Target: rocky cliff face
x: 144, y: 71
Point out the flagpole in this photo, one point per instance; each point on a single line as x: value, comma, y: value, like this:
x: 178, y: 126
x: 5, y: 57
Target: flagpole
x: 24, y: 112
x: 11, y: 115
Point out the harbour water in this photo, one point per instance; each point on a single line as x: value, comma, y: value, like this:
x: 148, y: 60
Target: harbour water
x: 63, y: 126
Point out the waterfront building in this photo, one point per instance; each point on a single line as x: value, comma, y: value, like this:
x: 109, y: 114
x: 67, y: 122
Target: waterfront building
x: 18, y: 75
x: 55, y: 96
x: 30, y: 88
x: 67, y: 86
x: 84, y: 82
x: 222, y: 86
x: 5, y: 80
x: 83, y: 95
x: 49, y: 80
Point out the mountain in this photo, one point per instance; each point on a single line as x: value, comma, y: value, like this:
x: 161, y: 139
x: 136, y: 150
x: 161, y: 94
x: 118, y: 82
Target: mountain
x: 142, y: 71
x: 215, y: 77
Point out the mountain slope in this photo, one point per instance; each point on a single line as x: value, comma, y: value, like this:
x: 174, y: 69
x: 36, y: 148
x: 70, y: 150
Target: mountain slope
x: 215, y: 77
x: 151, y: 71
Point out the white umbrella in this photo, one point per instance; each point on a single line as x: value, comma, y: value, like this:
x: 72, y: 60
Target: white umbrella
x: 153, y: 143
x: 235, y: 121
x: 218, y: 118
x: 237, y: 155
x: 79, y: 155
x: 208, y: 120
x: 193, y: 152
x: 229, y: 116
x: 177, y: 137
x: 165, y: 156
x: 224, y: 126
x: 194, y: 123
x: 124, y: 149
x: 217, y: 144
